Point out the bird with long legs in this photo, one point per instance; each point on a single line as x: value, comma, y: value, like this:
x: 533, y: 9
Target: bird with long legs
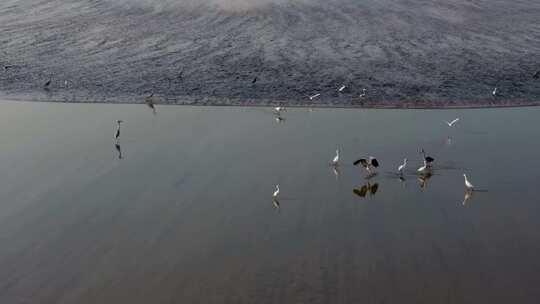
x: 275, y: 195
x: 401, y: 167
x: 468, y: 185
x: 335, y: 160
x: 117, y: 134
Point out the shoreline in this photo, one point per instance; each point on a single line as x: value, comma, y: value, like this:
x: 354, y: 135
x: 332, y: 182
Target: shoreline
x: 228, y: 102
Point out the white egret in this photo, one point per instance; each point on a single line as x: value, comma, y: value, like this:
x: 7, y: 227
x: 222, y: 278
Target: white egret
x: 451, y: 124
x: 468, y: 184
x: 278, y: 110
x: 335, y: 161
x: 314, y: 96
x: 363, y: 93
x: 276, y: 193
x: 402, y: 166
x: 341, y: 88
x: 494, y: 93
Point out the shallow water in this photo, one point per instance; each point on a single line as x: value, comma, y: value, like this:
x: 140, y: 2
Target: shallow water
x: 186, y: 216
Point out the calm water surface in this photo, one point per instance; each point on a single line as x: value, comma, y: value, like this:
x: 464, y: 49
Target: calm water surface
x: 186, y: 216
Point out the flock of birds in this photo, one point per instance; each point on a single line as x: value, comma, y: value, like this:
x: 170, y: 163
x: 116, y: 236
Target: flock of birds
x: 370, y: 165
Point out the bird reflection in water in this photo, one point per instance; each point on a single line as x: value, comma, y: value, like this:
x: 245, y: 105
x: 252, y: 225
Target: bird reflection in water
x: 118, y: 149
x: 279, y: 119
x: 336, y: 171
x: 468, y: 195
x: 276, y: 203
x: 423, y: 180
x: 366, y: 189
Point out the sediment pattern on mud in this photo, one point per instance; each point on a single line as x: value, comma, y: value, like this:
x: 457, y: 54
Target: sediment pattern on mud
x: 405, y: 53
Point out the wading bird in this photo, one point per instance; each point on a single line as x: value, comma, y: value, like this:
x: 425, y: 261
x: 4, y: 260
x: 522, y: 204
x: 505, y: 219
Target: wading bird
x: 276, y: 193
x: 402, y: 166
x: 494, y: 93
x: 278, y: 110
x: 368, y: 164
x: 363, y: 93
x: 335, y: 161
x: 428, y: 160
x: 452, y: 123
x: 468, y: 184
x: 117, y: 134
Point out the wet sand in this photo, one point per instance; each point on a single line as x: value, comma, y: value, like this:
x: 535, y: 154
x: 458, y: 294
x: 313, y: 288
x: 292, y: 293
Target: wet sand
x: 186, y: 215
x: 411, y: 53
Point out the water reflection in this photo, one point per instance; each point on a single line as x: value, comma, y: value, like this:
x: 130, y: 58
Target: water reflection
x: 468, y: 195
x: 336, y: 171
x: 118, y: 149
x: 276, y: 204
x: 423, y: 180
x: 366, y: 189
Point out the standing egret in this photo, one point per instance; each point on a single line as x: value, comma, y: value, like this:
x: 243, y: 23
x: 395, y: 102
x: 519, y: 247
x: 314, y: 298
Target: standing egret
x: 276, y: 193
x: 451, y: 124
x: 363, y: 93
x: 468, y: 184
x: 368, y: 164
x: 314, y: 96
x: 278, y: 110
x: 402, y: 166
x: 335, y: 161
x: 494, y: 93
x: 117, y: 134
x: 341, y: 88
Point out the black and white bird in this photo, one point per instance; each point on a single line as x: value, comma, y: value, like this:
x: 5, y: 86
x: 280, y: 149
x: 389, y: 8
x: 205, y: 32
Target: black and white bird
x: 335, y: 160
x: 117, y: 134
x: 369, y: 164
x: 452, y: 123
x: 401, y: 167
x: 276, y: 192
x: 428, y: 161
x: 314, y: 96
x: 468, y: 184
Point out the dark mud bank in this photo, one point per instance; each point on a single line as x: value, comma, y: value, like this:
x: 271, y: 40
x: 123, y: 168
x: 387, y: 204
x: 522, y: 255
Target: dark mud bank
x: 405, y: 53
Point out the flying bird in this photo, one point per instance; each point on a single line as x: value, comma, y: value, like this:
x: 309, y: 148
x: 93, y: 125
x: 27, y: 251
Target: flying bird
x: 341, y: 88
x: 451, y: 124
x: 402, y: 166
x: 335, y: 161
x: 314, y: 96
x: 468, y: 184
x: 368, y: 164
x: 276, y: 193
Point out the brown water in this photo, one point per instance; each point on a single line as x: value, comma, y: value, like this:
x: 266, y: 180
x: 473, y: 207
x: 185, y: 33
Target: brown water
x: 186, y: 216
